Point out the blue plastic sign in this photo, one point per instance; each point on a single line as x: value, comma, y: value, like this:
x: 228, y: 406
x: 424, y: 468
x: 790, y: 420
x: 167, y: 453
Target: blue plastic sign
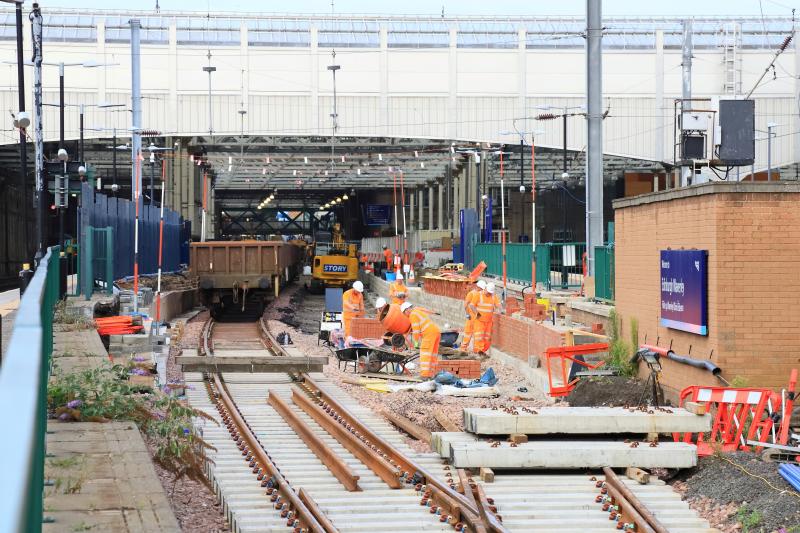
x: 377, y: 214
x: 334, y: 268
x: 684, y: 290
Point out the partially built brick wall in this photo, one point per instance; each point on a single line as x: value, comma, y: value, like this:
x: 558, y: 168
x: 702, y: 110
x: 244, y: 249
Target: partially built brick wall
x: 517, y: 336
x: 752, y: 234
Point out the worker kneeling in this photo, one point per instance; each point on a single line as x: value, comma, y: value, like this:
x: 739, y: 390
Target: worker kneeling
x: 486, y: 305
x: 425, y: 336
x: 398, y: 290
x: 352, y: 306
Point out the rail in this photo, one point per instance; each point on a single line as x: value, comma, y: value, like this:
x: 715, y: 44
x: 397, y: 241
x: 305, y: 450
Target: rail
x: 23, y: 389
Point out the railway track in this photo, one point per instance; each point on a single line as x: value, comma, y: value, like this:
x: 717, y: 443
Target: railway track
x: 295, y: 453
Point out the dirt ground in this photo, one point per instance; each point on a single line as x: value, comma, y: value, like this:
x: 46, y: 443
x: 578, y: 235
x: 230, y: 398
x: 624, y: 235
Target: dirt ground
x: 743, y: 493
x: 611, y: 391
x: 296, y: 307
x: 169, y: 282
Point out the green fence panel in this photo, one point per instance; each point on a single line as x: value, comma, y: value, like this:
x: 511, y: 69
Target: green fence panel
x: 518, y: 258
x: 604, y: 272
x: 543, y: 264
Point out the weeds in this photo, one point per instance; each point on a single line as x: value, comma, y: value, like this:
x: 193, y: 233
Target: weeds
x: 102, y: 394
x: 65, y: 462
x: 69, y: 320
x: 749, y: 518
x: 620, y: 351
x: 83, y: 526
x: 739, y: 382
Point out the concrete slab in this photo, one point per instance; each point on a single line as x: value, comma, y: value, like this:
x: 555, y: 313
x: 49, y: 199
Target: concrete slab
x: 583, y: 420
x: 572, y: 454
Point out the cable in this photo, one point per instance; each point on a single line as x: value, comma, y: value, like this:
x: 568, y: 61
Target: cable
x: 765, y: 480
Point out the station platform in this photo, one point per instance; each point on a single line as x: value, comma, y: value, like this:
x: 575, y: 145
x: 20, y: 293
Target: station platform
x: 101, y: 475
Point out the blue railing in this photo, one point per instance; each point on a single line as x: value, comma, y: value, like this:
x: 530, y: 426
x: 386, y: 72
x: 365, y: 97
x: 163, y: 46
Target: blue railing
x: 23, y: 393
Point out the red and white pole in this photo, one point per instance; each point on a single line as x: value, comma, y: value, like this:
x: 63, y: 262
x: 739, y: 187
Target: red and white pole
x: 160, y: 241
x: 136, y: 195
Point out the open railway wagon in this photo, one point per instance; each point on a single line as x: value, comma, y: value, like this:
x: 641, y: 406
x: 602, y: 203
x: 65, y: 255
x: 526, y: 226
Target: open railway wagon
x: 235, y: 277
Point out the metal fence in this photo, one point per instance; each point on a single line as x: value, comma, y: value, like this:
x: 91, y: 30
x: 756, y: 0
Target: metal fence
x: 604, y: 272
x: 558, y: 265
x: 100, y: 211
x: 98, y: 268
x: 23, y: 390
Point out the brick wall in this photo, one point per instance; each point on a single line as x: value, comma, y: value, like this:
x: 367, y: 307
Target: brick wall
x: 464, y: 368
x: 752, y: 234
x: 522, y: 337
x: 367, y: 328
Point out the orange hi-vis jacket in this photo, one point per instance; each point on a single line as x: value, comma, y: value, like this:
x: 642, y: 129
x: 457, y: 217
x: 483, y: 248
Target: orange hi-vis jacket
x: 469, y: 325
x: 352, y: 307
x: 388, y: 256
x: 486, y: 305
x: 398, y: 292
x: 421, y: 325
x: 471, y: 301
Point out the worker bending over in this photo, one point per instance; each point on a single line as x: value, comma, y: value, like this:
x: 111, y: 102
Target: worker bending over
x: 426, y: 336
x: 487, y: 304
x: 398, y: 290
x: 380, y: 303
x: 388, y: 257
x: 470, y: 302
x: 352, y: 306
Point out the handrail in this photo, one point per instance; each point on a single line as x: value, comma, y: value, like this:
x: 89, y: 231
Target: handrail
x: 23, y: 389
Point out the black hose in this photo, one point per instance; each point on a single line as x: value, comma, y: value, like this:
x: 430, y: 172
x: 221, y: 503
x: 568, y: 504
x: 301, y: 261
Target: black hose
x: 672, y: 356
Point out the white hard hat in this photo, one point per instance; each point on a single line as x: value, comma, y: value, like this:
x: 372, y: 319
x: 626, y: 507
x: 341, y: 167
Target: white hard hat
x: 404, y: 306
x: 380, y: 302
x: 399, y: 276
x: 481, y: 284
x: 490, y: 288
x: 358, y: 286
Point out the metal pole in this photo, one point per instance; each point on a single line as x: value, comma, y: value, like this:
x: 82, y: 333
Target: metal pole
x: 152, y: 178
x: 478, y: 194
x: 136, y: 105
x: 503, y: 225
x: 136, y: 149
x: 23, y: 142
x: 65, y: 194
x: 564, y: 276
x: 114, y: 161
x: 769, y: 151
x: 80, y: 146
x: 36, y: 31
x: 594, y: 152
x: 521, y: 183
x: 533, y: 213
x: 564, y: 117
x: 686, y: 91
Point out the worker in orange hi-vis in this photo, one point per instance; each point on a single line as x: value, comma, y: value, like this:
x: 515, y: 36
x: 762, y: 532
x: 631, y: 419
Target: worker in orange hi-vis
x: 388, y: 257
x: 352, y: 306
x: 487, y: 305
x: 398, y: 290
x: 470, y: 302
x: 425, y: 335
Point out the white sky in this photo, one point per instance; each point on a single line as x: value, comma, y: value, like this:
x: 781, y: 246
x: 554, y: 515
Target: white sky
x: 682, y: 8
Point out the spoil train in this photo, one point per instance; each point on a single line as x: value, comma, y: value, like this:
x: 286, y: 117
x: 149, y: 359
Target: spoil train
x: 235, y: 277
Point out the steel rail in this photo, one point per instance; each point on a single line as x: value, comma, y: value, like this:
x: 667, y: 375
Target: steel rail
x: 636, y: 508
x: 333, y: 462
x: 297, y: 514
x: 449, y: 498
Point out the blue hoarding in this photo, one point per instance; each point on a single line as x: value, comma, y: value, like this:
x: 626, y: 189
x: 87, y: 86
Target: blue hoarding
x: 377, y: 214
x: 684, y: 290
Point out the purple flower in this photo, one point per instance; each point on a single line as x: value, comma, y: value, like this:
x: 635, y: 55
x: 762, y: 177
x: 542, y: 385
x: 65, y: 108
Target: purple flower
x: 140, y: 372
x: 74, y: 404
x: 139, y: 359
x: 185, y: 431
x: 64, y: 417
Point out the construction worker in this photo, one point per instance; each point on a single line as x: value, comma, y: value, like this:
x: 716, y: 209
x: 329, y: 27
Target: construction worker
x: 398, y: 290
x: 380, y: 303
x: 425, y: 335
x: 352, y: 306
x: 486, y: 305
x: 470, y: 302
x: 388, y: 257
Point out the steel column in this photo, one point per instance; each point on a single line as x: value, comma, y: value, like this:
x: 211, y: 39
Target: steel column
x: 594, y: 116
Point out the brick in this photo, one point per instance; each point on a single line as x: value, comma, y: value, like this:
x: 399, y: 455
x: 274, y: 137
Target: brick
x: 753, y: 240
x: 367, y: 328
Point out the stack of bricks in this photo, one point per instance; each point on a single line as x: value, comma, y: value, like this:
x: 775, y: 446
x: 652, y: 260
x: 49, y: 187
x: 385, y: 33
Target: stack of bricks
x: 452, y: 288
x: 367, y: 328
x: 512, y: 306
x: 522, y: 337
x: 464, y: 368
x: 534, y: 310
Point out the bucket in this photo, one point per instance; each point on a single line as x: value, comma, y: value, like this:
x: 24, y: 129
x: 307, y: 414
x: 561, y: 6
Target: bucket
x: 389, y: 276
x: 449, y: 338
x: 394, y: 320
x: 307, y: 270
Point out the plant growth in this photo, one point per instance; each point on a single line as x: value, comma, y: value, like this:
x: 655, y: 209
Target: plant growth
x: 102, y: 394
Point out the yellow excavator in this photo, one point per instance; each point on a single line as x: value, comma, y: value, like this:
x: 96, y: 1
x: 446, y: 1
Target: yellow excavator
x: 334, y: 262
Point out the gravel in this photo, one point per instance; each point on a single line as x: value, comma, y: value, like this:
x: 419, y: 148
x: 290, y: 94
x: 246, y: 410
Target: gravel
x: 611, y: 391
x: 194, y: 504
x: 745, y: 489
x: 417, y: 406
